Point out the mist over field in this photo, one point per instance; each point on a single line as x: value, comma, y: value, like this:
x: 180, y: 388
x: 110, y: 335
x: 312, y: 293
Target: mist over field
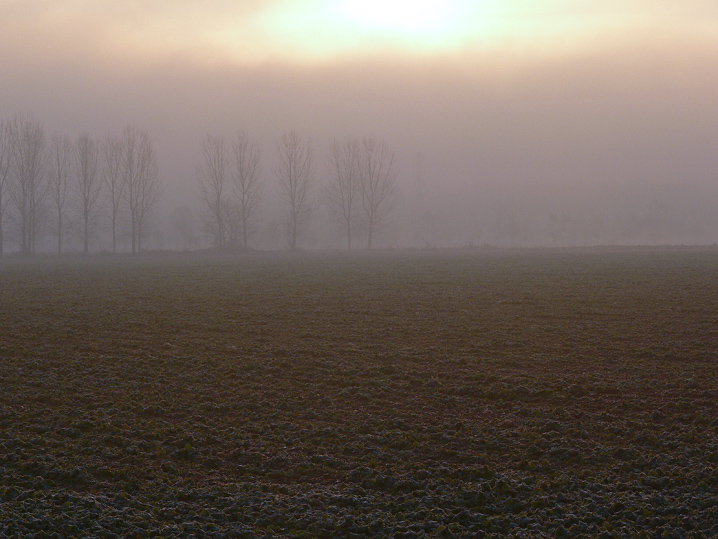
x: 409, y: 268
x: 610, y: 140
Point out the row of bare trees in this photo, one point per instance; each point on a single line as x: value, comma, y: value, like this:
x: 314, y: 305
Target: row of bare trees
x: 359, y: 192
x: 46, y: 183
x: 116, y: 176
x: 362, y: 184
x: 22, y: 145
x: 230, y: 188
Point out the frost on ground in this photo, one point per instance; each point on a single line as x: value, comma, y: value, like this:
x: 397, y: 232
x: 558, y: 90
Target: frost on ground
x: 526, y: 394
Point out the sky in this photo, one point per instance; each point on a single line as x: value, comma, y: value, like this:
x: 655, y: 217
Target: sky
x: 519, y: 111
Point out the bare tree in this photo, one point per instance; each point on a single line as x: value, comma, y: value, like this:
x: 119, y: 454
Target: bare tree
x: 5, y: 157
x: 114, y: 182
x: 28, y: 172
x: 344, y: 187
x: 130, y: 174
x: 295, y: 175
x: 212, y: 179
x: 378, y: 183
x: 147, y: 196
x: 140, y: 174
x: 246, y: 183
x: 60, y: 178
x: 89, y: 184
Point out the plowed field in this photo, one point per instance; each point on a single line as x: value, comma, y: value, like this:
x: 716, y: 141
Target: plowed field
x: 426, y: 394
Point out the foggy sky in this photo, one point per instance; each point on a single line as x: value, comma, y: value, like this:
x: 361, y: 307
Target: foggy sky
x: 621, y: 120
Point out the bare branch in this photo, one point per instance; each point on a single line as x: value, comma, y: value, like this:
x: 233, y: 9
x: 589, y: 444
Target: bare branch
x: 378, y: 182
x: 115, y: 186
x: 89, y: 184
x: 295, y: 175
x: 140, y: 174
x: 246, y: 182
x: 60, y: 175
x: 27, y: 191
x: 212, y: 179
x: 344, y: 188
x: 5, y: 158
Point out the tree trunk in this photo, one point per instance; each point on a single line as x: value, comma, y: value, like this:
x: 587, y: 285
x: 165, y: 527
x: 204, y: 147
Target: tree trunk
x: 134, y: 237
x: 114, y: 234
x: 59, y: 232
x: 244, y: 233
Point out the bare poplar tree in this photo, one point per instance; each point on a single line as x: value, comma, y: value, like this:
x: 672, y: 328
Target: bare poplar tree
x: 295, y: 175
x: 60, y: 178
x: 130, y: 175
x: 114, y: 184
x: 28, y: 172
x: 140, y: 174
x: 245, y: 180
x: 212, y: 179
x: 89, y: 184
x: 5, y: 157
x: 147, y: 196
x: 378, y: 182
x: 344, y: 187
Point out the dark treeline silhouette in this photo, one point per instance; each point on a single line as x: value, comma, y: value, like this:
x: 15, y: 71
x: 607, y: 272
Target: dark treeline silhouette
x: 101, y: 193
x: 90, y: 194
x: 47, y: 183
x: 359, y: 191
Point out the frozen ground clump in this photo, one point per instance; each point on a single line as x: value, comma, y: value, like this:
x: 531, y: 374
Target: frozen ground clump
x: 525, y: 394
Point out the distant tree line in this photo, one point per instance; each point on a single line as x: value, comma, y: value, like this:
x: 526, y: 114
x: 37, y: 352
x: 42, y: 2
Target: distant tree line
x: 75, y: 191
x: 86, y: 193
x: 46, y: 182
x: 359, y: 193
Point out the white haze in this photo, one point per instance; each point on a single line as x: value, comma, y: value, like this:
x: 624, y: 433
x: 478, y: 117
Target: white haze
x: 606, y: 146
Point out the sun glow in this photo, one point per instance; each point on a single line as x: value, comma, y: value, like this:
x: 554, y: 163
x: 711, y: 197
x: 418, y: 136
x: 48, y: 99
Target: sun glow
x: 429, y: 17
x: 299, y: 31
x: 320, y: 29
